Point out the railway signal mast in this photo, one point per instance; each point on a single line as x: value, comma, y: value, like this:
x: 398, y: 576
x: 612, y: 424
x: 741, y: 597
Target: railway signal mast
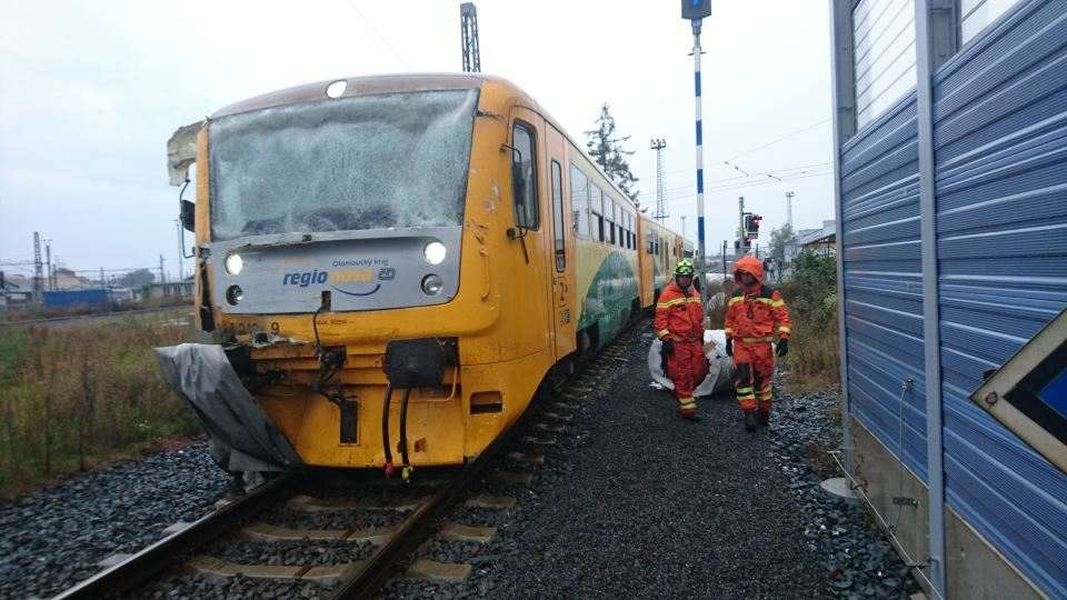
x: 468, y: 22
x: 695, y: 11
x: 661, y: 211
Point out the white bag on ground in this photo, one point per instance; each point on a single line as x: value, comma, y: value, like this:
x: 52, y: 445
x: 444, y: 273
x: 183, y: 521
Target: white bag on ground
x: 720, y: 367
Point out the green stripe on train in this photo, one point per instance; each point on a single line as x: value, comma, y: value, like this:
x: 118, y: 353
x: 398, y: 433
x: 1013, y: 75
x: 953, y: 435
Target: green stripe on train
x: 608, y: 301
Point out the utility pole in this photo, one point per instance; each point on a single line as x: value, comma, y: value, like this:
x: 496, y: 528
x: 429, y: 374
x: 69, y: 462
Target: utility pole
x: 741, y: 226
x: 468, y: 23
x: 38, y: 269
x: 162, y: 276
x: 661, y: 210
x: 724, y: 260
x: 48, y: 262
x: 789, y: 209
x: 695, y: 11
x: 683, y: 227
x: 181, y: 250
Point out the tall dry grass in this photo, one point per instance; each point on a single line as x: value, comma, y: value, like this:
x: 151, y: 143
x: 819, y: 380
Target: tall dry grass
x: 73, y: 396
x: 813, y: 361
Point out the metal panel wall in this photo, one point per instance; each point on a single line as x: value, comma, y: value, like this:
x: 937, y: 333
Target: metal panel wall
x: 1001, y: 147
x: 882, y: 275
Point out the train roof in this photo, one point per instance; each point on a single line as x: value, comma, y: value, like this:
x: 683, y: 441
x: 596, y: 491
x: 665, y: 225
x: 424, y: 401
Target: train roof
x: 377, y: 84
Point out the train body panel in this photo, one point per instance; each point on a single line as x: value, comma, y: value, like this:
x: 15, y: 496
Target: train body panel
x: 528, y: 275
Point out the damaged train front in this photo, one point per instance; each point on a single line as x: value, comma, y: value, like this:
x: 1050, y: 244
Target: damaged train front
x: 328, y: 237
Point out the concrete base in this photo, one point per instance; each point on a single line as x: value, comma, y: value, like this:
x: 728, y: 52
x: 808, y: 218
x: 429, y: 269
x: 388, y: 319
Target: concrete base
x: 974, y: 569
x: 840, y: 488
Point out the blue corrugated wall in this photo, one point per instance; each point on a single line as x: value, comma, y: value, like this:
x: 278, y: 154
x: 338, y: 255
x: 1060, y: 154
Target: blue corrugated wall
x: 883, y: 281
x: 1000, y: 138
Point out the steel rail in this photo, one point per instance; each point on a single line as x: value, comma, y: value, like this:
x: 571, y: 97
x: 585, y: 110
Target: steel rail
x: 381, y: 566
x: 140, y: 567
x: 96, y: 316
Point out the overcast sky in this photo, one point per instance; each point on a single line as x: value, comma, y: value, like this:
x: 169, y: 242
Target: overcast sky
x: 90, y: 92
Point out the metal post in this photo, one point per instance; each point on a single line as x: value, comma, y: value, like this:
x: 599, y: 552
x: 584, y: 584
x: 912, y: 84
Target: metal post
x: 931, y: 294
x: 700, y: 144
x: 181, y: 249
x: 789, y: 209
x: 724, y: 242
x: 661, y: 210
x: 38, y: 274
x: 844, y: 94
x: 48, y: 262
x: 741, y: 226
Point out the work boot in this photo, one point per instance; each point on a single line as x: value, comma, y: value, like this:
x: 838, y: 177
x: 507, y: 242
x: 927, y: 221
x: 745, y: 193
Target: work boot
x: 763, y: 418
x: 750, y: 421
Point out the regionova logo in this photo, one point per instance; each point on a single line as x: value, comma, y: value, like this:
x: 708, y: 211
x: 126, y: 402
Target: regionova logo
x: 353, y: 277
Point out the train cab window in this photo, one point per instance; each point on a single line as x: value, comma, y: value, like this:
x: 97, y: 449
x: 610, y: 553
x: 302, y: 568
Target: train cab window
x: 557, y: 215
x: 524, y: 177
x: 580, y: 201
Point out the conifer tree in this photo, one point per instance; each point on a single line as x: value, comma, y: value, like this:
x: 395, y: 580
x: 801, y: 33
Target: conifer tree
x: 606, y: 149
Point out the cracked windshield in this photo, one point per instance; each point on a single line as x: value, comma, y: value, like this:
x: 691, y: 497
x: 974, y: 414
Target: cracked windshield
x: 371, y: 162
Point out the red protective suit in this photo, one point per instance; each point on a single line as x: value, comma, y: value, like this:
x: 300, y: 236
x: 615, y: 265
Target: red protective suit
x: 680, y: 318
x: 755, y: 317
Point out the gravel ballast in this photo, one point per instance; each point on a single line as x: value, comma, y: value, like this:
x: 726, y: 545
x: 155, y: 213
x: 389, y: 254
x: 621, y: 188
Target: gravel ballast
x: 631, y: 501
x: 53, y: 538
x: 635, y: 502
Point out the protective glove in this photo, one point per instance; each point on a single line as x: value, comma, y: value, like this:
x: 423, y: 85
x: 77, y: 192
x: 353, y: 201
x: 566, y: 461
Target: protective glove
x: 729, y: 347
x: 783, y: 347
x: 668, y: 346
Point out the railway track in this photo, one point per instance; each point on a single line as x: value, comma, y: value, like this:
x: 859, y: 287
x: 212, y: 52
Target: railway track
x: 183, y: 313
x: 345, y: 536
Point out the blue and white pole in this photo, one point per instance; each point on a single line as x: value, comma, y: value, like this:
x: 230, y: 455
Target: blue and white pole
x: 700, y: 147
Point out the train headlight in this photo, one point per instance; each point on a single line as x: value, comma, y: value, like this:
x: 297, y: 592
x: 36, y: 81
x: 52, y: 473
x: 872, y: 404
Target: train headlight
x: 432, y: 284
x: 234, y: 264
x: 234, y: 295
x: 435, y: 253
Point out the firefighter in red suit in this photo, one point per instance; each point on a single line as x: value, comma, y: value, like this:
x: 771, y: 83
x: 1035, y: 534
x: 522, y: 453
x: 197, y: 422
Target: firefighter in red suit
x: 679, y: 324
x: 756, y: 316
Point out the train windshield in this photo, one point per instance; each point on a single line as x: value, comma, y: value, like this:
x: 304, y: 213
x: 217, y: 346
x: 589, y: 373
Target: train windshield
x: 366, y: 162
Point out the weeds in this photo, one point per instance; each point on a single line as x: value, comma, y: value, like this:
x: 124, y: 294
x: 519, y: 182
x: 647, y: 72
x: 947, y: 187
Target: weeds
x: 814, y: 350
x: 76, y: 395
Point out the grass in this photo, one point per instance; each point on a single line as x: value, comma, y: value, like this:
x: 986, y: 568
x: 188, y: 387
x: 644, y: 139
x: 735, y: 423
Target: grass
x: 75, y: 396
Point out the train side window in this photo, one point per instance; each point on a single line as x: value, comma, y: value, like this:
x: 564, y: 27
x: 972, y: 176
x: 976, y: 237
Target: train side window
x: 610, y: 215
x: 524, y: 177
x: 596, y: 200
x: 557, y: 214
x: 580, y: 201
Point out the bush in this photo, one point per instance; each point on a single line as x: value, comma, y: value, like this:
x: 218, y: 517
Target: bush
x: 75, y: 395
x: 814, y: 350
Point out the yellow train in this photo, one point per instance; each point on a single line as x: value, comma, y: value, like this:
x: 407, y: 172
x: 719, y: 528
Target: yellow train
x: 394, y: 264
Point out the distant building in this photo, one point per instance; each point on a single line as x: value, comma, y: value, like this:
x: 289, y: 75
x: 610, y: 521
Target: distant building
x: 171, y: 289
x: 821, y: 240
x: 15, y: 290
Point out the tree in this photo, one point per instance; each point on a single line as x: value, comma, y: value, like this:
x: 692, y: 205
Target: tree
x: 136, y: 279
x: 606, y: 150
x: 779, y: 238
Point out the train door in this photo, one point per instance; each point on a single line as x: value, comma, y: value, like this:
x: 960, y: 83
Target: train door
x: 562, y: 256
x: 530, y: 307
